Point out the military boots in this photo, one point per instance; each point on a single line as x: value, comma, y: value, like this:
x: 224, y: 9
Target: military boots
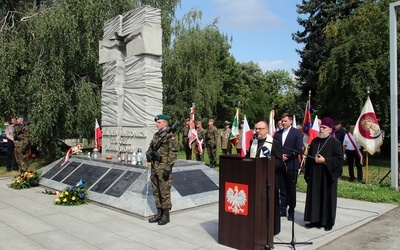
x: 156, y: 217
x: 165, y: 217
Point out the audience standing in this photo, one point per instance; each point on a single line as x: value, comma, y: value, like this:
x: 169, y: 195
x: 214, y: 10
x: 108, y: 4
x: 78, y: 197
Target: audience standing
x: 11, y: 162
x: 211, y: 143
x: 352, y: 150
x: 226, y: 145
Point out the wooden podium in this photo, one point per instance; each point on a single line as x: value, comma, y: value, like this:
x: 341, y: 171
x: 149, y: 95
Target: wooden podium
x: 246, y: 193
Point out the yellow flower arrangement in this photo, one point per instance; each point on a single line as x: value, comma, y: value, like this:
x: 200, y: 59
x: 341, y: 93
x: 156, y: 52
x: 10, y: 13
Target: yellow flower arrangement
x: 25, y: 180
x: 72, y: 196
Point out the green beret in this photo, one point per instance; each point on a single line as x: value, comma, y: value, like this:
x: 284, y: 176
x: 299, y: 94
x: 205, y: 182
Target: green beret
x: 162, y: 117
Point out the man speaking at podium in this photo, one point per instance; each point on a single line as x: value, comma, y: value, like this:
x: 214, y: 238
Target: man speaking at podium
x: 261, y: 146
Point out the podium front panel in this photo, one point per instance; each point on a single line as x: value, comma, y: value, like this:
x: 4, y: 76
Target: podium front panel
x: 243, y: 203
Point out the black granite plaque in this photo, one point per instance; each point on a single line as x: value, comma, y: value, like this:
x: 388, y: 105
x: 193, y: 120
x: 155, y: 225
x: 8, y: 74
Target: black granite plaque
x: 107, y: 180
x: 66, y: 171
x: 89, y: 174
x: 53, y: 171
x: 192, y: 182
x: 123, y: 184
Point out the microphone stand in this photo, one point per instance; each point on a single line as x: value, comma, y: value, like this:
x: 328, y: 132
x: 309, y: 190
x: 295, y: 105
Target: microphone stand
x: 293, y: 242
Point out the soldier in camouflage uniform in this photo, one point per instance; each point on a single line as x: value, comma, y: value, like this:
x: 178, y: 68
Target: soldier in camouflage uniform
x: 22, y: 143
x: 201, y: 134
x: 162, y: 154
x: 211, y: 143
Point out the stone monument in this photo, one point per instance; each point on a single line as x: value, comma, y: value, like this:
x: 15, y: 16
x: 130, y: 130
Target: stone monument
x: 130, y: 54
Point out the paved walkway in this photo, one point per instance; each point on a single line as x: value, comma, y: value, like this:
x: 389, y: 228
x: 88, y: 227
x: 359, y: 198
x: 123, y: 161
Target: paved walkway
x: 29, y: 220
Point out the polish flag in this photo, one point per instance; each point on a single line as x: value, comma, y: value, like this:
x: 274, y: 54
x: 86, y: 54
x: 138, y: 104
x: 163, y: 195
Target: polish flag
x: 314, y: 131
x: 97, y: 135
x: 246, y: 137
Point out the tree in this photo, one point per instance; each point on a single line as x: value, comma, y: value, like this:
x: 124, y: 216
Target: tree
x: 49, y: 50
x: 316, y: 51
x: 192, y: 69
x: 359, y: 58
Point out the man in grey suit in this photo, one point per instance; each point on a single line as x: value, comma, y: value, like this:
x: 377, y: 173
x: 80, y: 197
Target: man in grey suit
x: 291, y: 141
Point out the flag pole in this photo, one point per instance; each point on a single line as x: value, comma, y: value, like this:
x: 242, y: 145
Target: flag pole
x: 192, y: 149
x: 366, y: 167
x: 303, y: 161
x: 366, y: 157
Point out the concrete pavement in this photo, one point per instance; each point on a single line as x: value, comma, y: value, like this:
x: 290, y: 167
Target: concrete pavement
x: 29, y: 220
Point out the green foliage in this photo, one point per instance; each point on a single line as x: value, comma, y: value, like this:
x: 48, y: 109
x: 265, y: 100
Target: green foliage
x: 315, y: 16
x: 192, y: 72
x: 359, y: 58
x: 51, y: 73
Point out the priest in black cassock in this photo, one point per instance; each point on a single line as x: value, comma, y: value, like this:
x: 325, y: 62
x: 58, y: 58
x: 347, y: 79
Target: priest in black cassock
x: 262, y: 145
x: 323, y: 168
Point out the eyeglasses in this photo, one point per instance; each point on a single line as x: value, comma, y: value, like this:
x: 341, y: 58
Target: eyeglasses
x: 259, y: 128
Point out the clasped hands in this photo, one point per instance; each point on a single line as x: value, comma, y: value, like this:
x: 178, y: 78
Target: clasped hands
x: 319, y: 159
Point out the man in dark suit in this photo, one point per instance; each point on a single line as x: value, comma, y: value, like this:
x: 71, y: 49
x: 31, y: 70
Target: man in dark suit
x: 291, y: 141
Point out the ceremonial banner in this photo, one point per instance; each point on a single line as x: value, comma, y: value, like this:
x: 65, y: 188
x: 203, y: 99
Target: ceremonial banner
x: 367, y: 130
x: 247, y: 135
x: 271, y: 125
x: 192, y: 135
x: 97, y: 135
x: 235, y: 129
x: 307, y: 119
x: 314, y: 131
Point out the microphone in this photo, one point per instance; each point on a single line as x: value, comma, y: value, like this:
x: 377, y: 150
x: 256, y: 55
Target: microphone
x: 255, y: 135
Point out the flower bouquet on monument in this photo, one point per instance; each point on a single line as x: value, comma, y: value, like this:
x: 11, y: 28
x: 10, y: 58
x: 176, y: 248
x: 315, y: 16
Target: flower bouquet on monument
x: 25, y: 180
x: 72, y: 196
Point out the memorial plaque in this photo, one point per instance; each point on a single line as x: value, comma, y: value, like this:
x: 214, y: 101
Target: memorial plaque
x: 193, y: 182
x: 53, y: 171
x: 89, y: 174
x: 107, y: 180
x: 123, y: 184
x: 66, y: 171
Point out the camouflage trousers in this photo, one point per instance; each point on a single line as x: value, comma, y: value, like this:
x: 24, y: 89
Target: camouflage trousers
x: 212, y: 153
x: 161, y: 188
x: 21, y: 159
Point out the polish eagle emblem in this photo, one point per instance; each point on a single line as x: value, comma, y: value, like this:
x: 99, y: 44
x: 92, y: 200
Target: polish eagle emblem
x: 236, y: 199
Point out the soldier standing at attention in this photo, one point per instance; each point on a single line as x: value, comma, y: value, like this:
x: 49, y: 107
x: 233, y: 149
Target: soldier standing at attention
x: 211, y: 143
x: 185, y: 141
x: 22, y: 143
x: 226, y: 145
x: 240, y: 136
x: 162, y: 154
x: 201, y: 134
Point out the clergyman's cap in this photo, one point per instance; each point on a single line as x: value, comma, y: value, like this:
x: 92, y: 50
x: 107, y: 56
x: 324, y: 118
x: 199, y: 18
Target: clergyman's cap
x: 327, y: 121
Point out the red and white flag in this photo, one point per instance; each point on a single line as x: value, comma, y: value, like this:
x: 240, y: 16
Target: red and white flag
x: 367, y: 130
x: 271, y: 125
x: 246, y: 137
x: 97, y: 135
x: 192, y: 135
x: 314, y: 131
x: 71, y: 151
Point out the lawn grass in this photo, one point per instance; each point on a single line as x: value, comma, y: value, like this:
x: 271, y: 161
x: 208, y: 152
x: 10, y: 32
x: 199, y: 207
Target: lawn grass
x: 371, y: 191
